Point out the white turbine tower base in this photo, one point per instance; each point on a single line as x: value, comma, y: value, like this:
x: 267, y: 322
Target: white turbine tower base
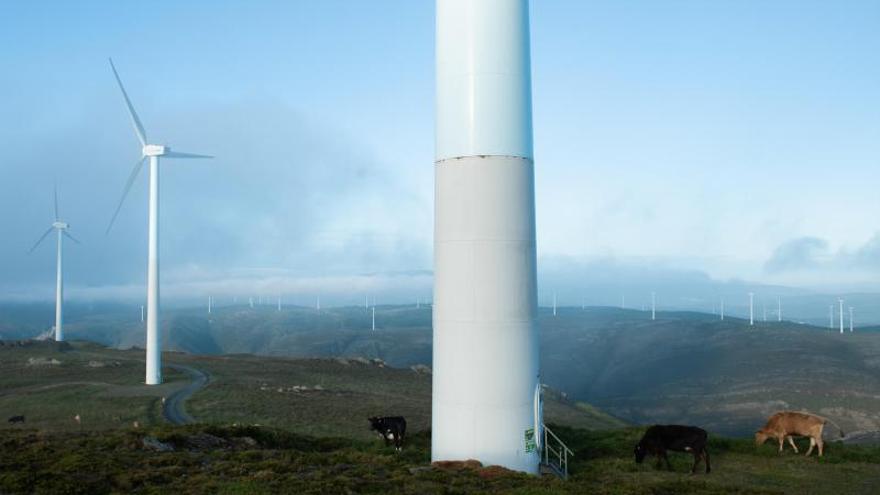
x: 151, y: 152
x: 485, y: 340
x: 61, y: 230
x: 841, y: 314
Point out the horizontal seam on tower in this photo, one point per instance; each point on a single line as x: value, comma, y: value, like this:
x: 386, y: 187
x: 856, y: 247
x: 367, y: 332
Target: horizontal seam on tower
x: 486, y: 155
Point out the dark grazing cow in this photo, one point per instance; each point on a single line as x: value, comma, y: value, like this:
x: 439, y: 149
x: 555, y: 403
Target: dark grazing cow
x: 660, y: 438
x: 390, y: 428
x: 16, y: 419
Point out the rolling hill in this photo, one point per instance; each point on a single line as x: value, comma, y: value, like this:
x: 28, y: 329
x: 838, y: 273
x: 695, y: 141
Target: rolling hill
x: 682, y: 368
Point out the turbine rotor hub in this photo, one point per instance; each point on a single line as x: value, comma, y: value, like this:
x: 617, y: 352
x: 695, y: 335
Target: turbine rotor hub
x: 155, y: 150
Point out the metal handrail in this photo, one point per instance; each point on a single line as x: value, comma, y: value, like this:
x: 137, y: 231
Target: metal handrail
x: 560, y: 454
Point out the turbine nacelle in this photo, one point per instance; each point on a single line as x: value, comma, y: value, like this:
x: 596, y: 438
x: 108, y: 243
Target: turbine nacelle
x: 60, y: 225
x: 155, y: 150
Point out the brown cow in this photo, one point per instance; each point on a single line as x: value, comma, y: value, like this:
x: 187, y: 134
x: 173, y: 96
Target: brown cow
x: 786, y: 424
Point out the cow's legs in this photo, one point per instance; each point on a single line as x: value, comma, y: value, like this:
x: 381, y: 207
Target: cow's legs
x: 706, y: 458
x: 821, y: 445
x: 812, y: 443
x: 781, y: 443
x: 791, y: 441
x: 697, y: 457
x: 666, y: 458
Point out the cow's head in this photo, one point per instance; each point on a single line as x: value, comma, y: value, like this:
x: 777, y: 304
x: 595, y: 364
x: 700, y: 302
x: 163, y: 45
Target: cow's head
x: 640, y: 452
x: 375, y: 423
x: 761, y: 436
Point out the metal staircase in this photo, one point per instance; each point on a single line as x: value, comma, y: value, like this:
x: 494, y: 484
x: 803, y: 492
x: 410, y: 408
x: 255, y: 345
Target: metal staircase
x: 554, y: 458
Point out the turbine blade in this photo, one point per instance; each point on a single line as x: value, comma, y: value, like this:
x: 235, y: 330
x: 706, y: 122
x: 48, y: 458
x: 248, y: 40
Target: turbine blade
x: 138, y: 127
x: 56, y: 202
x: 178, y: 154
x: 128, y: 184
x: 48, y: 231
x: 74, y: 239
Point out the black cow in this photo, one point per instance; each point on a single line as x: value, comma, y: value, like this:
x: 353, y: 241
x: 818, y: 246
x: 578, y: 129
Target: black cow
x: 660, y: 438
x: 390, y: 428
x: 16, y: 419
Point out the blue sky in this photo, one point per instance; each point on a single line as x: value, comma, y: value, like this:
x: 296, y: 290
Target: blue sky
x: 710, y: 136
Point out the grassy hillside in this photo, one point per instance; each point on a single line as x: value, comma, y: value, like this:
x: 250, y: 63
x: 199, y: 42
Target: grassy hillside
x: 232, y: 460
x: 725, y: 376
x: 51, y: 383
x: 682, y: 368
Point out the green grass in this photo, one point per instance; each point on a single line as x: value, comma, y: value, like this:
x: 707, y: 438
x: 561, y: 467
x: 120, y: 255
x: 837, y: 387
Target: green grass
x: 267, y: 460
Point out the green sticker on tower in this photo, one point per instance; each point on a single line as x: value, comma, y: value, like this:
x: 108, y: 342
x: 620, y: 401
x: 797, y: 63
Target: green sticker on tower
x: 531, y: 445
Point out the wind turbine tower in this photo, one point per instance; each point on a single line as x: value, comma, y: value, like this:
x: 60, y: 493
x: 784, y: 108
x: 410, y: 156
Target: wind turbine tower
x: 653, y: 306
x: 722, y: 309
x: 841, y: 314
x: 485, y: 284
x: 554, y: 304
x: 318, y: 304
x: 779, y: 308
x: 210, y: 301
x: 831, y: 317
x: 279, y: 303
x: 374, y: 318
x: 751, y: 309
x: 850, y: 319
x: 142, y: 313
x: 61, y: 230
x: 153, y: 152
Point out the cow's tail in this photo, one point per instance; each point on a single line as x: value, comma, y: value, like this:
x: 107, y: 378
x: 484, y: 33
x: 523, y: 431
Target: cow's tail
x: 839, y: 429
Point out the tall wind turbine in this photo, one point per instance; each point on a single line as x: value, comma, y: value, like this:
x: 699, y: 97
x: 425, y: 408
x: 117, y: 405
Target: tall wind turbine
x: 152, y: 152
x: 61, y: 230
x: 751, y: 309
x: 485, y: 277
x: 841, y: 314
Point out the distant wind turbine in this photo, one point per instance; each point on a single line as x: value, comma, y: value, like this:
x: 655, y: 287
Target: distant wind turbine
x: 850, y: 319
x: 653, y: 306
x: 831, y: 317
x: 61, y: 229
x: 374, y: 318
x: 751, y: 308
x: 142, y: 313
x: 778, y: 308
x: 210, y: 303
x: 153, y: 152
x: 318, y: 303
x: 841, y: 314
x: 722, y: 309
x: 554, y: 304
x: 623, y: 301
x: 279, y: 303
